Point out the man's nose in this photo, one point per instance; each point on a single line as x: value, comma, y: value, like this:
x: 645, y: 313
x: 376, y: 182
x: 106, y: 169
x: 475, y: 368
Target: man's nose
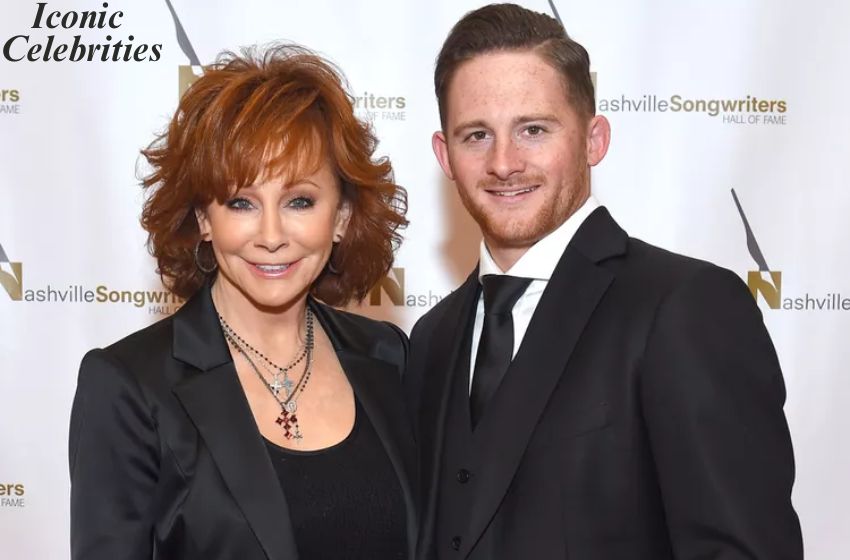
x: 505, y: 159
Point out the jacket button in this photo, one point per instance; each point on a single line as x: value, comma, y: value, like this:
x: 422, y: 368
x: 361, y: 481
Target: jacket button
x: 456, y: 543
x: 463, y: 476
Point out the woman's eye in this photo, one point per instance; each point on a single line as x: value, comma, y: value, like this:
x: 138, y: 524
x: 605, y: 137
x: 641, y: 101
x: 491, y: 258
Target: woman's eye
x: 301, y: 203
x: 239, y: 204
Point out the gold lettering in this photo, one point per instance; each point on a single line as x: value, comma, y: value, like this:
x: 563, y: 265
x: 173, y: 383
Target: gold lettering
x: 771, y: 292
x: 13, y: 284
x: 393, y: 288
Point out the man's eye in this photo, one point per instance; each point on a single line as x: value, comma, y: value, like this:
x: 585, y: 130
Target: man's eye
x: 301, y: 203
x: 534, y: 130
x: 477, y: 136
x: 239, y: 204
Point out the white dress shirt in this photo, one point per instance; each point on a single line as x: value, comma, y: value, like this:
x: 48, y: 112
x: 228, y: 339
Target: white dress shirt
x: 538, y: 263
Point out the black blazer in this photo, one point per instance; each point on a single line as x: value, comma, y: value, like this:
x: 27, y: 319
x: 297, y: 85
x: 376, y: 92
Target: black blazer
x: 641, y: 418
x: 166, y: 460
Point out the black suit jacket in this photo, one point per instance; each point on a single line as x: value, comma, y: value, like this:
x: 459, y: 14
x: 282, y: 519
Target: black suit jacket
x: 641, y: 418
x: 166, y: 460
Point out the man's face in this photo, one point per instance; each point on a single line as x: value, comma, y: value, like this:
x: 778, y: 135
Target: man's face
x: 517, y: 150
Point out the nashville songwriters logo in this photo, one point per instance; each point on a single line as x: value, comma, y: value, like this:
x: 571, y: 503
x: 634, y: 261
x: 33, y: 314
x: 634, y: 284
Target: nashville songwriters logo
x: 749, y: 110
x: 767, y: 283
x: 157, y: 302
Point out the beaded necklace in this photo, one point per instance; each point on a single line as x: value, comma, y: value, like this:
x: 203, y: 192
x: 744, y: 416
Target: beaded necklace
x: 287, y: 420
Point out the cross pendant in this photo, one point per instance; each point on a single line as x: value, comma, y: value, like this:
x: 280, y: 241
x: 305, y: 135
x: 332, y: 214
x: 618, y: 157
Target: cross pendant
x: 276, y: 386
x: 289, y: 422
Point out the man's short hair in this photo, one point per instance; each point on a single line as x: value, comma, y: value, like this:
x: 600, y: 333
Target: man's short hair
x: 508, y: 27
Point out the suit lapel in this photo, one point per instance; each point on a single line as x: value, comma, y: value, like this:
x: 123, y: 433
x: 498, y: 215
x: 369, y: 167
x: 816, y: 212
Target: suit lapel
x: 216, y: 403
x: 443, y: 363
x: 575, y: 289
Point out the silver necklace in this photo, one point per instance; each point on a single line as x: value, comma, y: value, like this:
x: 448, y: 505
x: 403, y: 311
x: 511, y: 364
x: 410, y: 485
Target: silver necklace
x: 280, y: 374
x: 287, y: 419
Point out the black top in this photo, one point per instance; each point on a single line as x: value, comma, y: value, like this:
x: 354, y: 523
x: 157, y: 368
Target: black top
x: 165, y: 458
x: 345, y: 501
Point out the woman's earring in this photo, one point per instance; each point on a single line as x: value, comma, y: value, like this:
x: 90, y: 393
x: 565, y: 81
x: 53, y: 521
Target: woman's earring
x: 205, y: 270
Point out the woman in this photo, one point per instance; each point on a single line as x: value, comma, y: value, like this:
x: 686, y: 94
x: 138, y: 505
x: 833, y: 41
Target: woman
x: 256, y: 422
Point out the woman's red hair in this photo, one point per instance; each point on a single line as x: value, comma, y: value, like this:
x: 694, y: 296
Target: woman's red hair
x: 260, y: 114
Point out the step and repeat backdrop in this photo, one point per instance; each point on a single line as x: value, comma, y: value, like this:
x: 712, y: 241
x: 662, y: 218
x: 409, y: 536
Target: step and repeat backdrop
x: 731, y: 137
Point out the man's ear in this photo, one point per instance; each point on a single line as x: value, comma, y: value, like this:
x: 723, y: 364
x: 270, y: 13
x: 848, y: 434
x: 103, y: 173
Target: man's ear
x: 441, y: 150
x: 598, y: 138
x: 203, y: 224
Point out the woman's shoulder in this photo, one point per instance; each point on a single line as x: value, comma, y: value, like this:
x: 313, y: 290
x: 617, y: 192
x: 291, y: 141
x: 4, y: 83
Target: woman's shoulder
x: 135, y: 355
x: 377, y: 338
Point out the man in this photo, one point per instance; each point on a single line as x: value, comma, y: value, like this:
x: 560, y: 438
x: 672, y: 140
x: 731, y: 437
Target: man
x: 582, y: 395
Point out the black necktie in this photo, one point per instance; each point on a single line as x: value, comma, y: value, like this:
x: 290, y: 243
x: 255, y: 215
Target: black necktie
x: 496, y: 346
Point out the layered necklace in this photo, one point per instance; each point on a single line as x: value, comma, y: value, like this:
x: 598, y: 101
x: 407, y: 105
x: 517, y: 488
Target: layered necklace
x: 281, y: 382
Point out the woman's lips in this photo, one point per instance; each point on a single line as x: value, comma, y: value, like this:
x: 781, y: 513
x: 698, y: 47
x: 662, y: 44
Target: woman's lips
x: 269, y: 270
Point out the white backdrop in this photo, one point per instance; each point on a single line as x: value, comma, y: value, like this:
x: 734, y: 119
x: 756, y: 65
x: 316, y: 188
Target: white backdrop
x: 69, y: 197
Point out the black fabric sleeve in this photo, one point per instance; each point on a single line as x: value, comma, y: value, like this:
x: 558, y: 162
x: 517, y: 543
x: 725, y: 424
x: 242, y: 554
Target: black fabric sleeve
x: 712, y: 394
x: 114, y: 463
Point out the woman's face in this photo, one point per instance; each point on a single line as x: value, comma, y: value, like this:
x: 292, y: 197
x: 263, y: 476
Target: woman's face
x: 272, y: 239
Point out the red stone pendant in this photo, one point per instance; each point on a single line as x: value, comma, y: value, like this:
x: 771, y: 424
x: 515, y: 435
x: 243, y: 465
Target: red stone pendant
x: 289, y: 422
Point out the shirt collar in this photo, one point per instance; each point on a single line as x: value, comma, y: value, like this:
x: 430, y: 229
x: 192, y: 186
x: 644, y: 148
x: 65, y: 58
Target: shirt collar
x: 540, y: 260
